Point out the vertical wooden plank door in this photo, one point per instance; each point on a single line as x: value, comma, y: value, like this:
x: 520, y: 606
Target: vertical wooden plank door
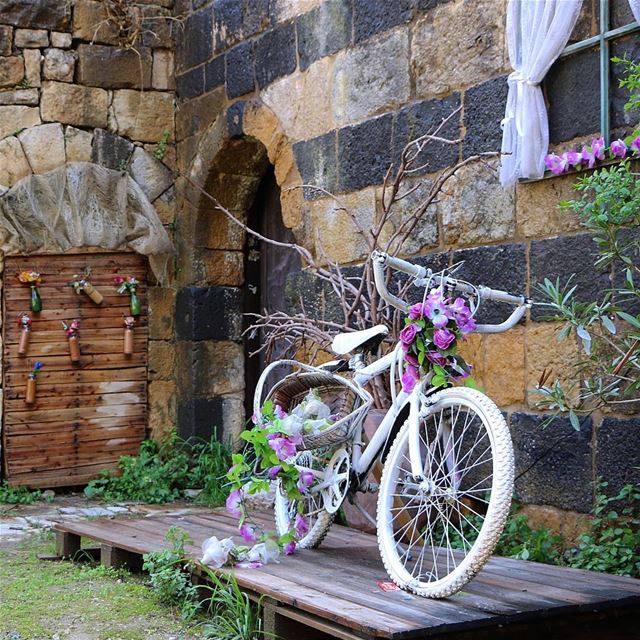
x: 87, y: 414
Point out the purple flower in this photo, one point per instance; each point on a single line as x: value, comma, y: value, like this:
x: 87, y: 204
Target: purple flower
x: 234, y: 503
x: 409, y: 358
x: 283, y: 447
x: 280, y: 413
x: 635, y: 145
x: 254, y: 419
x: 467, y: 324
x: 408, y: 334
x: 272, y: 472
x: 443, y: 338
x: 588, y: 158
x: 557, y: 164
x: 597, y: 147
x: 435, y: 310
x: 415, y: 312
x: 305, y: 481
x: 573, y: 158
x: 436, y: 358
x: 248, y: 532
x: 410, y: 378
x: 301, y: 525
x: 290, y: 548
x: 619, y: 148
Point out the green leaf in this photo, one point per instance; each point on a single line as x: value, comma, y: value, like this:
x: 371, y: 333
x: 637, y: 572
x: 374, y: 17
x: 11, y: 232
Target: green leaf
x: 629, y: 318
x: 609, y: 325
x: 574, y: 420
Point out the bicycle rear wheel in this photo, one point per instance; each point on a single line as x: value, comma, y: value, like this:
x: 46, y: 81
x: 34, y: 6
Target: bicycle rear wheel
x: 435, y: 534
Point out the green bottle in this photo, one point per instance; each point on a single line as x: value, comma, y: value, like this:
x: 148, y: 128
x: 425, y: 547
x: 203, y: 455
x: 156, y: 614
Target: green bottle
x: 134, y: 304
x: 36, y: 301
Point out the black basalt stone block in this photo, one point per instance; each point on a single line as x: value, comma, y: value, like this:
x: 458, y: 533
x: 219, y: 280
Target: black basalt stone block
x: 484, y: 107
x: 195, y: 39
x: 618, y: 455
x: 200, y: 418
x: 275, y: 54
x: 235, y: 115
x: 214, y: 73
x: 555, y: 462
x: 373, y: 16
x: 316, y: 161
x: 239, y: 70
x: 110, y: 151
x: 191, y: 83
x: 213, y: 313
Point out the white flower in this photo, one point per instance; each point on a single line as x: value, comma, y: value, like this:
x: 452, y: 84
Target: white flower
x: 215, y: 553
x: 263, y: 552
x: 292, y: 424
x: 316, y: 409
x: 315, y: 426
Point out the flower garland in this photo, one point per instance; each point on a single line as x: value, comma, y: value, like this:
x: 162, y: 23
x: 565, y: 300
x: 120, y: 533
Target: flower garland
x: 590, y: 155
x: 429, y: 341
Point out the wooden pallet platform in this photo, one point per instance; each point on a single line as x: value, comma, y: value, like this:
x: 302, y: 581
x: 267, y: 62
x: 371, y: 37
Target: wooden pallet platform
x: 334, y: 591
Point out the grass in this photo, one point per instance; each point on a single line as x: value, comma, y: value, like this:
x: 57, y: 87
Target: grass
x: 40, y: 599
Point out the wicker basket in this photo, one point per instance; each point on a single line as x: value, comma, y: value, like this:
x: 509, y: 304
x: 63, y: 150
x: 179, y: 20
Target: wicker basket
x: 343, y: 401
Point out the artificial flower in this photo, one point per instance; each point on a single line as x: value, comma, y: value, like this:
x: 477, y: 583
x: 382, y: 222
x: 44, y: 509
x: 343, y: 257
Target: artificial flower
x: 410, y: 378
x: 408, y: 334
x: 215, y: 553
x: 248, y: 532
x: 272, y: 472
x: 597, y: 147
x: 280, y: 412
x: 263, y: 552
x: 283, y: 447
x: 435, y: 310
x: 443, y: 338
x: 289, y: 548
x: 301, y: 525
x: 234, y: 503
x: 305, y: 481
x: 572, y: 158
x: 619, y: 148
x: 635, y: 145
x: 588, y: 157
x: 415, y: 311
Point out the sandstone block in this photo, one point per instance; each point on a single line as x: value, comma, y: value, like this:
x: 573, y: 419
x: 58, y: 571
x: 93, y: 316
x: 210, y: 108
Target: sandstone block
x: 537, y: 211
x: 291, y: 202
x: 476, y: 208
x: 43, y: 146
x: 59, y: 65
x: 78, y: 145
x: 503, y: 369
x: 31, y: 38
x: 372, y: 78
x: 74, y: 104
x: 143, y: 116
x: 20, y: 96
x: 61, y: 40
x: 559, y: 357
x: 287, y: 9
x: 15, y: 118
x: 13, y: 162
x: 224, y: 268
x: 11, y: 71
x: 162, y: 407
x: 194, y: 116
x: 216, y: 231
x: 339, y: 235
x: 161, y: 312
x: 152, y: 176
x: 166, y: 205
x: 162, y: 71
x: 465, y: 42
x: 162, y: 358
x: 114, y: 67
x: 32, y: 64
x: 6, y: 40
x: 91, y: 23
x: 311, y: 113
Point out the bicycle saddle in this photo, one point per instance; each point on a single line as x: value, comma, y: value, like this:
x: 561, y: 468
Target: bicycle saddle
x: 365, y: 340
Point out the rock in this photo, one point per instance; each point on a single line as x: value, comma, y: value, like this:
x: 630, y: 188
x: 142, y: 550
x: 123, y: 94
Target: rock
x: 91, y: 22
x: 284, y: 10
x: 224, y: 268
x: 204, y: 417
x: 6, y: 40
x: 111, y: 151
x: 162, y: 407
x: 503, y: 368
x: 11, y: 71
x: 239, y: 70
x: 152, y: 176
x: 192, y: 47
x: 114, y: 67
x: 13, y: 162
x: 165, y: 206
x: 31, y: 38
x: 59, y: 65
x: 161, y: 312
x: 44, y: 147
x: 214, y: 73
x: 372, y: 78
x: 316, y: 160
x: 162, y: 71
x: 78, y: 145
x: 48, y: 495
x: 191, y: 83
x: 32, y: 64
x: 476, y: 208
x: 162, y: 357
x: 61, y: 40
x: 74, y: 104
x: 38, y: 14
x: 464, y: 41
x: 373, y: 16
x: 618, y: 457
x: 311, y: 113
x: 275, y: 54
x: 15, y: 118
x: 20, y: 96
x: 323, y: 31
x: 143, y: 116
x: 199, y: 317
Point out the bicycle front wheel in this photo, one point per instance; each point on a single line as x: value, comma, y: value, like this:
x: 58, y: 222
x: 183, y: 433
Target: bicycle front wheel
x: 436, y: 532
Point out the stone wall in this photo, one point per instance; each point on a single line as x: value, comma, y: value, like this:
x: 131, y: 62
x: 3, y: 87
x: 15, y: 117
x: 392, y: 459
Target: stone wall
x: 76, y: 88
x: 329, y: 92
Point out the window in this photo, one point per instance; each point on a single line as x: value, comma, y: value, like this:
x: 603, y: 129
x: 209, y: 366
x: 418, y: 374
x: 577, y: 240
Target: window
x: 582, y: 86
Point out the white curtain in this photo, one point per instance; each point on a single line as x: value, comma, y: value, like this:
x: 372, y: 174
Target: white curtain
x: 537, y: 32
x: 635, y: 9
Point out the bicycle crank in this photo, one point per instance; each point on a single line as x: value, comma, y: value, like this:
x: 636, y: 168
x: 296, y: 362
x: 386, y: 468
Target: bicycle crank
x: 336, y: 480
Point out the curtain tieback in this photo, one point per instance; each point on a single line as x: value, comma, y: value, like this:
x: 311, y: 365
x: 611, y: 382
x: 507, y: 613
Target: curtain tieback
x: 520, y: 81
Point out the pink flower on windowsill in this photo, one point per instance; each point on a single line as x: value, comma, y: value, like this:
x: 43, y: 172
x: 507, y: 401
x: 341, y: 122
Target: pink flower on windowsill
x: 618, y: 148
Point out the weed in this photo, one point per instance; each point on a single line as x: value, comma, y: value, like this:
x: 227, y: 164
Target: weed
x: 24, y: 84
x: 519, y: 540
x: 161, y: 149
x: 17, y: 495
x: 210, y: 462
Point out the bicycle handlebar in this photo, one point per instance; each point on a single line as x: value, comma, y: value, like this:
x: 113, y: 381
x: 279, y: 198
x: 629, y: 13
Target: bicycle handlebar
x: 381, y: 260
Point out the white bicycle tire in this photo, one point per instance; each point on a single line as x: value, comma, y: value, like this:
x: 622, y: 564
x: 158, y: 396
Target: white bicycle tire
x: 496, y: 514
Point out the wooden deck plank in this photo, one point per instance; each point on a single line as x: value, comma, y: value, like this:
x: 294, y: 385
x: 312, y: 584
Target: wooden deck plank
x: 337, y: 583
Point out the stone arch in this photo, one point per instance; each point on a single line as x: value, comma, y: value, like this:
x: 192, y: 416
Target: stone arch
x: 231, y: 159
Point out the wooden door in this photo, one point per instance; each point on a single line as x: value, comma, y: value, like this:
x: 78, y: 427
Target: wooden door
x: 87, y: 414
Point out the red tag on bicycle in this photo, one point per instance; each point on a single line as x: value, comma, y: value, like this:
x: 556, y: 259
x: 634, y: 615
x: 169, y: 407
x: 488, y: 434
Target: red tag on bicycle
x: 387, y: 585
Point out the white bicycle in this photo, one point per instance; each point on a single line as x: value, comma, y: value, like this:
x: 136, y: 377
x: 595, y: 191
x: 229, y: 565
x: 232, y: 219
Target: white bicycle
x: 447, y: 480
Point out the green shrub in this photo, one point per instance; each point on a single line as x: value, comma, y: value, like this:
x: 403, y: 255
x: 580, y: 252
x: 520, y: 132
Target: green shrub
x: 519, y: 540
x: 18, y: 495
x: 210, y: 462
